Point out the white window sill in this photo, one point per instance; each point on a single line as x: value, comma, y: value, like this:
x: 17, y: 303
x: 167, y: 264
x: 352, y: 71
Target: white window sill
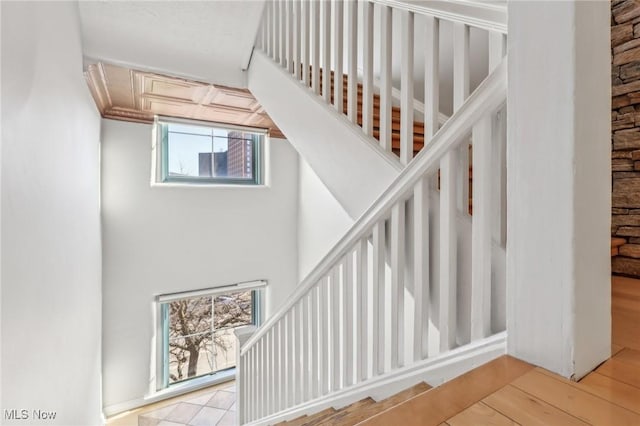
x: 191, y: 385
x: 208, y: 186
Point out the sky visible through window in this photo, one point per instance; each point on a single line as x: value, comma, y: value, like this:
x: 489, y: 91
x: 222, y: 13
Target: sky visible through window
x: 186, y: 141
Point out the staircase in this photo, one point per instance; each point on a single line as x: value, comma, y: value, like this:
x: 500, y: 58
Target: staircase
x: 455, y: 402
x: 412, y: 292
x: 418, y: 127
x: 358, y: 411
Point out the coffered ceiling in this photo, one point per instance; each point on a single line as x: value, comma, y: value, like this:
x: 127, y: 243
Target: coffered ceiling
x: 127, y: 94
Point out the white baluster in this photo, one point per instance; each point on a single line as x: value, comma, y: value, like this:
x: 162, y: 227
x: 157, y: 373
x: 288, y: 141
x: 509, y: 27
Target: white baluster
x: 280, y: 376
x: 261, y: 374
x: 289, y: 34
x: 497, y: 51
x: 303, y: 343
x: 291, y: 362
x: 379, y: 301
x: 362, y: 323
x: 315, y: 46
x: 448, y: 250
x: 336, y: 323
x: 240, y: 386
x: 432, y: 79
x: 298, y: 331
x: 352, y: 61
x: 421, y: 269
x: 367, y: 63
x: 262, y: 45
x: 386, y: 41
x: 269, y: 396
x: 347, y: 318
x: 406, y: 89
x: 306, y: 31
x: 315, y: 343
x: 460, y: 64
x: 250, y: 401
x: 481, y: 230
x: 324, y: 335
x: 338, y: 43
x: 283, y: 33
x: 326, y: 51
x: 397, y: 284
x: 297, y: 34
x: 276, y: 30
x: 460, y: 94
x: 269, y: 28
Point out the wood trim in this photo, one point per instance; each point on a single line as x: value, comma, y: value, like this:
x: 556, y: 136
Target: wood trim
x: 132, y: 95
x: 444, y: 402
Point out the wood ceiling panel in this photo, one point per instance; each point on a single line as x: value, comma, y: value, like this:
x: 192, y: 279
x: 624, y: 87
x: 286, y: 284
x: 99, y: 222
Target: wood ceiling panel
x: 239, y: 100
x: 184, y: 91
x: 131, y: 95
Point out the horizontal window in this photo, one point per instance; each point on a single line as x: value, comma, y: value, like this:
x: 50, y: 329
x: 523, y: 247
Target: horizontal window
x: 196, y: 152
x: 197, y: 329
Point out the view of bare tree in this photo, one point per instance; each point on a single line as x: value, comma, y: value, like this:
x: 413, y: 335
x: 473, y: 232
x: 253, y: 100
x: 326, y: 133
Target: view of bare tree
x: 194, y: 329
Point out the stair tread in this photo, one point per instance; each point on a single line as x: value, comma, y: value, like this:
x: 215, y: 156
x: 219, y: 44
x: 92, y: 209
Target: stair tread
x: 308, y: 420
x: 445, y: 401
x: 338, y: 418
x: 364, y: 413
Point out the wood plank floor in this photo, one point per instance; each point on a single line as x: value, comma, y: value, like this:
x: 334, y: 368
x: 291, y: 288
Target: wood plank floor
x: 610, y: 395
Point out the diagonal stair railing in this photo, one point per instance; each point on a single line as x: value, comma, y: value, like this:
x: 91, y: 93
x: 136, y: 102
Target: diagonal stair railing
x: 306, y: 37
x: 346, y: 324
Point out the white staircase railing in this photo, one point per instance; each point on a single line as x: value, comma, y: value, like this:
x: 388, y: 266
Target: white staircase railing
x: 348, y: 322
x: 331, y: 333
x: 306, y: 37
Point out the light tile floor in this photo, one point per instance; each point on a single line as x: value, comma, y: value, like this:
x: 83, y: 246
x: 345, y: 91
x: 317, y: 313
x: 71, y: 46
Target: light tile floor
x: 215, y: 406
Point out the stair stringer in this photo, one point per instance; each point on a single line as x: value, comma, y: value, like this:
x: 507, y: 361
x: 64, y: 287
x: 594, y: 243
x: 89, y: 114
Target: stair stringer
x: 352, y: 165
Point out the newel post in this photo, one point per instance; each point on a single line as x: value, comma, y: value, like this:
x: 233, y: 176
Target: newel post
x: 242, y: 335
x: 559, y: 185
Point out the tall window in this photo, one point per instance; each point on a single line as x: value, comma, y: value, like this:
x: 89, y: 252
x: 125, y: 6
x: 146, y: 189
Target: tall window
x: 198, y: 331
x: 194, y: 152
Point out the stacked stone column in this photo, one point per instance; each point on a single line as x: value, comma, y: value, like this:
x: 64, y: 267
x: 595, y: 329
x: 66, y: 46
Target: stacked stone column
x: 625, y: 126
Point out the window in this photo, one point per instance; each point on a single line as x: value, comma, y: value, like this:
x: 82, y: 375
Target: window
x: 200, y: 152
x: 197, y: 330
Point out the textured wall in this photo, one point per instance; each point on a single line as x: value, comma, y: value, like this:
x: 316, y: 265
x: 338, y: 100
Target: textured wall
x: 625, y: 127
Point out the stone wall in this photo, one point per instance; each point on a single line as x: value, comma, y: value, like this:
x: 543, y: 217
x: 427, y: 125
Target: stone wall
x: 625, y: 127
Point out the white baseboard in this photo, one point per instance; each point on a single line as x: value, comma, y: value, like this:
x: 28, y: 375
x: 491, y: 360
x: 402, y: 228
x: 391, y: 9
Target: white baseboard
x: 434, y: 371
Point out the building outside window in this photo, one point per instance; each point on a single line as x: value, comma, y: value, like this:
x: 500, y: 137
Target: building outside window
x: 199, y: 152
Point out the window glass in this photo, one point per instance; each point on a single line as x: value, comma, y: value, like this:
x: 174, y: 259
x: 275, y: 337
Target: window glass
x: 199, y: 333
x: 196, y: 153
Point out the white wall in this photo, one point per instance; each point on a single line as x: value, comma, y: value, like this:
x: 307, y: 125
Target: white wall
x: 321, y: 220
x: 559, y: 185
x: 50, y: 218
x: 167, y: 239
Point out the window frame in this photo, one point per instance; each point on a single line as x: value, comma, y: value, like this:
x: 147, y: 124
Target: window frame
x: 162, y: 309
x: 160, y: 154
